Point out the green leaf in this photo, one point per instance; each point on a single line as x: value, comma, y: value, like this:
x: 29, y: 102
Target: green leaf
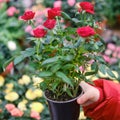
x: 68, y: 66
x: 102, y: 68
x: 100, y: 59
x: 50, y: 60
x: 94, y: 67
x: 55, y: 68
x: 110, y: 73
x: 75, y: 20
x: 38, y: 57
x: 67, y: 58
x: 18, y: 59
x: 45, y: 74
x: 66, y: 16
x: 64, y: 78
x: 24, y: 54
x: 31, y: 38
x: 43, y: 85
x: 90, y: 73
x: 70, y: 30
x: 69, y: 93
x: 28, y: 52
x: 54, y: 85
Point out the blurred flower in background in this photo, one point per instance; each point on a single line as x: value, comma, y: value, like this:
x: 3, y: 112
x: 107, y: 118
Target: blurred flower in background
x: 21, y: 100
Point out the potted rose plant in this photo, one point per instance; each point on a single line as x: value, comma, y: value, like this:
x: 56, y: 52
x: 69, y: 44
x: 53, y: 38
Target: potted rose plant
x: 62, y: 54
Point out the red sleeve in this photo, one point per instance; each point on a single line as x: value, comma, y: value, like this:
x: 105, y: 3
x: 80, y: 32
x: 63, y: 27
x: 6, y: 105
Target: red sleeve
x: 108, y: 105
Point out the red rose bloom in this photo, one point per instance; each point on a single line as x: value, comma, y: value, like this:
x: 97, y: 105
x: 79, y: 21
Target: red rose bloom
x: 39, y: 32
x: 28, y: 15
x: 50, y: 23
x: 87, y: 6
x: 52, y: 13
x: 86, y: 31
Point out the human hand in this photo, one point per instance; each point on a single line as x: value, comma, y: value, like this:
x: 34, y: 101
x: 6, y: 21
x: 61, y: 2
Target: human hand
x: 91, y: 94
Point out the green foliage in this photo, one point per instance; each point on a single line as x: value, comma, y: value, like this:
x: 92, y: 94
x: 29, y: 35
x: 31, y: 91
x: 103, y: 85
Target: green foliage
x: 10, y: 27
x: 11, y: 30
x: 24, y: 54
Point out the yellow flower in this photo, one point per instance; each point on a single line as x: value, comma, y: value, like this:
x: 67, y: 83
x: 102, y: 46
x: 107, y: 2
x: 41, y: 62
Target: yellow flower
x: 11, y: 96
x: 22, y: 106
x: 21, y: 82
x: 38, y: 92
x: 26, y: 79
x: 37, y: 107
x: 37, y: 80
x: 29, y: 95
x: 25, y: 101
x: 9, y: 85
x: 2, y: 80
x: 7, y: 90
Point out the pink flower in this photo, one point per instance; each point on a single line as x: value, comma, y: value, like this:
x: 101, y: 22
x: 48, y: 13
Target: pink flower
x: 118, y: 49
x: 39, y: 21
x: 16, y: 112
x: 1, y: 0
x: 4, y: 0
x: 118, y: 55
x: 81, y: 68
x: 111, y: 46
x: 106, y: 58
x: 91, y: 61
x: 28, y: 29
x: 11, y: 11
x: 9, y: 107
x: 57, y: 4
x: 108, y: 52
x: 35, y: 115
x: 71, y: 2
x: 115, y: 54
x: 113, y: 60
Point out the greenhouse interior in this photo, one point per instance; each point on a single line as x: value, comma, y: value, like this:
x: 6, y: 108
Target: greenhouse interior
x: 59, y: 59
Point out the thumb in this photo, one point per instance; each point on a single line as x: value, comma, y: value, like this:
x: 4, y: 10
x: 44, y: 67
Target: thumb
x: 83, y: 99
x: 91, y: 94
x: 85, y: 86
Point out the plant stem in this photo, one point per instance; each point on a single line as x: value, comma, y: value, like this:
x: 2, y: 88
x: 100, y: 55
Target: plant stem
x: 58, y: 23
x: 38, y: 45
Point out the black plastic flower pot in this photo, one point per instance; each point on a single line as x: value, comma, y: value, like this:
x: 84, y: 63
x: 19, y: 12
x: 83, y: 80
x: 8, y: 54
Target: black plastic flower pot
x: 64, y: 110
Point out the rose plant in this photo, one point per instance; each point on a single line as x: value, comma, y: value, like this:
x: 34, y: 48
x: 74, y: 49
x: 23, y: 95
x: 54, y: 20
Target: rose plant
x: 61, y: 54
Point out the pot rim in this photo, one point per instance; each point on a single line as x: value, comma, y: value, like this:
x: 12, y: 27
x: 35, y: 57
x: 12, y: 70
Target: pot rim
x: 67, y: 101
